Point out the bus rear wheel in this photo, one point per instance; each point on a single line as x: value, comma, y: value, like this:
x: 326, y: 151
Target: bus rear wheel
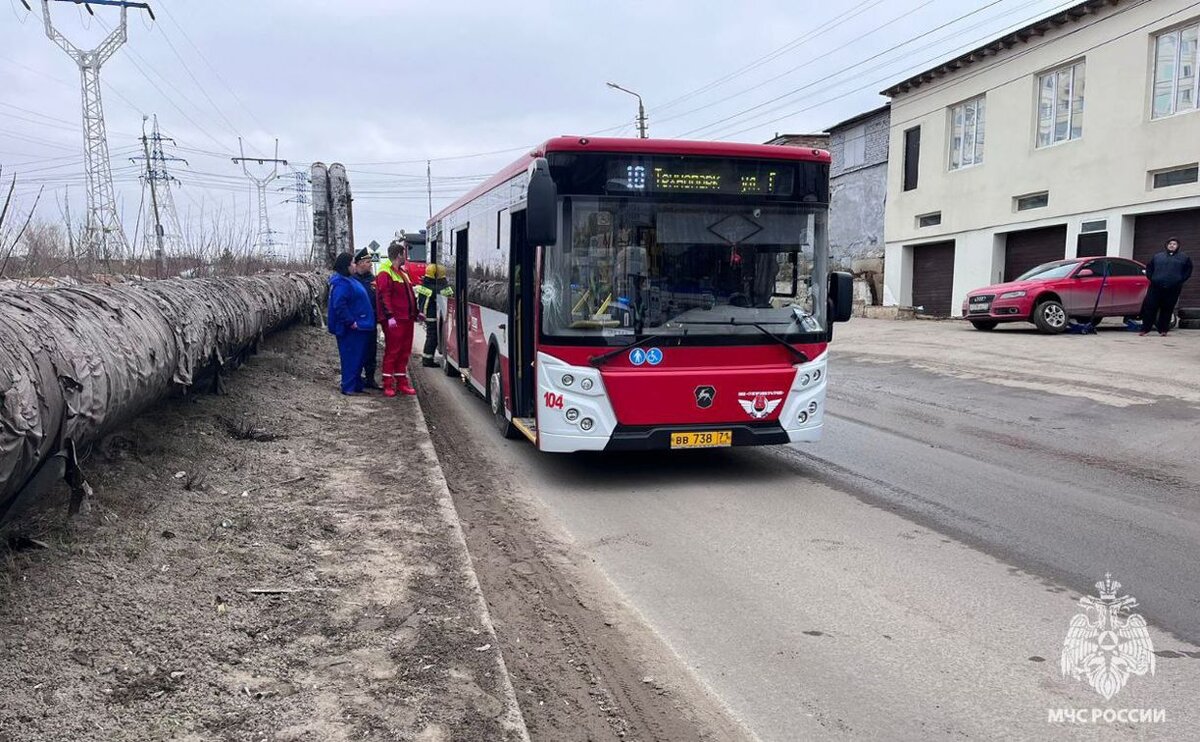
x: 496, y: 402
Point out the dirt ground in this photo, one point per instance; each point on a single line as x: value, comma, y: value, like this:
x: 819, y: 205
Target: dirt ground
x: 255, y: 566
x: 584, y: 665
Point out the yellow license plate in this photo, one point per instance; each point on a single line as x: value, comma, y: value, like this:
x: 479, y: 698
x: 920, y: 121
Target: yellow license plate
x: 711, y: 439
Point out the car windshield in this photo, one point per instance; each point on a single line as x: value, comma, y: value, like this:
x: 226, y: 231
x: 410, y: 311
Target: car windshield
x: 631, y: 267
x: 1057, y: 269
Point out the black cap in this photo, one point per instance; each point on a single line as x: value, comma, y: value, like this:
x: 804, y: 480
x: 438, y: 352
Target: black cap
x: 363, y: 254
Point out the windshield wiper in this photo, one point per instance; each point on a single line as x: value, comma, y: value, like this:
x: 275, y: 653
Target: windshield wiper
x: 600, y: 360
x: 799, y: 354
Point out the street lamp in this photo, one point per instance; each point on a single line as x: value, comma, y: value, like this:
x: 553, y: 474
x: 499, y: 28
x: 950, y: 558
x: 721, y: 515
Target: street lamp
x: 641, y: 117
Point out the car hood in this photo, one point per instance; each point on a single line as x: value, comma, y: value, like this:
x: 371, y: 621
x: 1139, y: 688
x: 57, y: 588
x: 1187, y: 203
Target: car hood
x: 1000, y: 288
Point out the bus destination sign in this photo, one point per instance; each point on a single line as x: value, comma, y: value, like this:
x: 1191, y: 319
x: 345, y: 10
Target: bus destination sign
x: 727, y: 177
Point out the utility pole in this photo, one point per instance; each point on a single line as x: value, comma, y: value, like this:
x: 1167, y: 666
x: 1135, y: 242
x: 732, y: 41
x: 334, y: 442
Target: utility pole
x: 641, y: 117
x: 429, y: 186
x: 265, y: 240
x: 103, y: 233
x: 162, y: 203
x: 301, y: 242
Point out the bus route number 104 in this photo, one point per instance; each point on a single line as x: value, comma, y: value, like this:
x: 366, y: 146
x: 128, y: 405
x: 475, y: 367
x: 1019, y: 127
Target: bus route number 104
x: 554, y: 401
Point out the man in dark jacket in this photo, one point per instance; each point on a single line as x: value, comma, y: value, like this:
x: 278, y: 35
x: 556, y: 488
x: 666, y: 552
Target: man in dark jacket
x: 432, y: 286
x: 362, y: 271
x: 1167, y: 271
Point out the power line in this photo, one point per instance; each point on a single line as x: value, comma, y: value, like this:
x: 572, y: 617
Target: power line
x: 809, y: 62
x: 199, y: 52
x: 874, y: 84
x: 139, y: 64
x: 770, y: 56
x: 969, y: 76
x: 883, y: 53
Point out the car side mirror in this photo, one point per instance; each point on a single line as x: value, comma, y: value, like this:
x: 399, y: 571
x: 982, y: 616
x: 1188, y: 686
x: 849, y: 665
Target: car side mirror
x: 541, y: 211
x: 841, y: 296
x: 1085, y: 273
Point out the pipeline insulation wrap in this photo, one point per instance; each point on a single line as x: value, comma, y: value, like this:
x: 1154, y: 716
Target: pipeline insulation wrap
x: 77, y: 362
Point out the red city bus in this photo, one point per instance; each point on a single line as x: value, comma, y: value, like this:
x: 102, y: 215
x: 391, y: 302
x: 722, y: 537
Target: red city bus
x: 616, y: 294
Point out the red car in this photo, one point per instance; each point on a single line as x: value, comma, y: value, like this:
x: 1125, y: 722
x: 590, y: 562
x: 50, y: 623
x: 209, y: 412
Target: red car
x: 1051, y: 295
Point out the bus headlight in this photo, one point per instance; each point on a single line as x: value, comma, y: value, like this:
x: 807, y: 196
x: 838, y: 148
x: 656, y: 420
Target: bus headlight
x: 586, y: 385
x: 803, y: 417
x: 816, y: 374
x: 805, y: 379
x: 812, y: 407
x: 572, y: 415
x: 586, y: 424
x: 568, y: 380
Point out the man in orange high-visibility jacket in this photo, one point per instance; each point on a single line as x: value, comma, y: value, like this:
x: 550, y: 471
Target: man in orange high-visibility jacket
x: 397, y: 313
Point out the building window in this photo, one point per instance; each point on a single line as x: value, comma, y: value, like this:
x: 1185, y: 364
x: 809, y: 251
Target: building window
x: 1178, y: 176
x: 1099, y: 225
x: 854, y: 147
x: 912, y: 157
x: 1032, y: 201
x: 929, y: 220
x: 966, y: 134
x: 1176, y: 84
x: 1060, y: 105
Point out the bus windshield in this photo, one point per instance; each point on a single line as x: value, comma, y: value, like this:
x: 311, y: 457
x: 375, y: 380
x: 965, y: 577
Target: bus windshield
x: 625, y: 268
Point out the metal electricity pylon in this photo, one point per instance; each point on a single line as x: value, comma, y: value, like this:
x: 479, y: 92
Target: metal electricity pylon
x: 103, y: 235
x: 167, y: 235
x: 265, y: 239
x: 301, y: 239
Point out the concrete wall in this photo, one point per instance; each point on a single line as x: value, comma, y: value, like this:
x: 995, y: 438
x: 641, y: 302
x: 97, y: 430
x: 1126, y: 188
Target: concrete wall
x: 858, y: 193
x: 857, y: 201
x: 1102, y: 174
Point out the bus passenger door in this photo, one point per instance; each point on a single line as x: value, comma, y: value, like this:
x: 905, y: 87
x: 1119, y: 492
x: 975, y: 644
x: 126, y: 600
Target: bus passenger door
x: 520, y: 318
x: 462, y: 295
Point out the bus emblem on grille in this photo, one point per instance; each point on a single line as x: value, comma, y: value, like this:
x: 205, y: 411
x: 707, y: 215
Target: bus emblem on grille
x: 759, y: 405
x: 705, y: 396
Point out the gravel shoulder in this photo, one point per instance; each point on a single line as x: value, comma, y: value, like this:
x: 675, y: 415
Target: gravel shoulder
x: 279, y: 562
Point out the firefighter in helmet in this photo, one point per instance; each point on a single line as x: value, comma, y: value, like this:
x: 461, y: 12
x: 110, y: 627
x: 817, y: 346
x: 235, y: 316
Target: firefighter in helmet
x: 432, y: 286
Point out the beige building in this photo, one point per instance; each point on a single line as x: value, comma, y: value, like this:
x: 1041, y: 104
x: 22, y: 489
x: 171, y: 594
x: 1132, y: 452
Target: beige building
x: 1076, y: 135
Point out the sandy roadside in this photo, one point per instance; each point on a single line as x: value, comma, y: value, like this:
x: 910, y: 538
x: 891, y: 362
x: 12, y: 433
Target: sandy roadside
x: 277, y: 563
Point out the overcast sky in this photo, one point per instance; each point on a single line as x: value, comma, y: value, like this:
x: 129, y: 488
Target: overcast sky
x: 383, y: 85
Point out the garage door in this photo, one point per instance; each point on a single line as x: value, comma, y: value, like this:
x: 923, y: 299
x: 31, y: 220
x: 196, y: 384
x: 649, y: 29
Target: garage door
x: 1151, y: 232
x: 1029, y: 248
x: 933, y: 278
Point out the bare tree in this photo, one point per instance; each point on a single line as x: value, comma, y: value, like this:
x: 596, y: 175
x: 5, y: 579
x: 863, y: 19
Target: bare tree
x: 9, y: 241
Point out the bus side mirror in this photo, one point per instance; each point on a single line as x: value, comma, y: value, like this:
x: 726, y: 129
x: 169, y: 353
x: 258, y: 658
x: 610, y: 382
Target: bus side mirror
x: 541, y: 210
x: 841, y: 296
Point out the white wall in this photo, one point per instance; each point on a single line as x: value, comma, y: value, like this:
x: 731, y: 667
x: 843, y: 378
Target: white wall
x: 1102, y: 173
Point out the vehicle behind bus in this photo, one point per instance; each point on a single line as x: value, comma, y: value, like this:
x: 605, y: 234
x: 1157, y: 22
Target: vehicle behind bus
x: 616, y: 294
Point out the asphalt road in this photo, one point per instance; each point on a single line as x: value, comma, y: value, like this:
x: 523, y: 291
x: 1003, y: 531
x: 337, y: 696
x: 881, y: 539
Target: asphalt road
x: 913, y: 575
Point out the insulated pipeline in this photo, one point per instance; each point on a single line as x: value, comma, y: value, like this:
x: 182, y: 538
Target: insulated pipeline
x: 77, y: 362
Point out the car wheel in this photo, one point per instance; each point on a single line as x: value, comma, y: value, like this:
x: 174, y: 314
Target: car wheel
x: 496, y: 402
x: 984, y: 324
x: 1050, y: 317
